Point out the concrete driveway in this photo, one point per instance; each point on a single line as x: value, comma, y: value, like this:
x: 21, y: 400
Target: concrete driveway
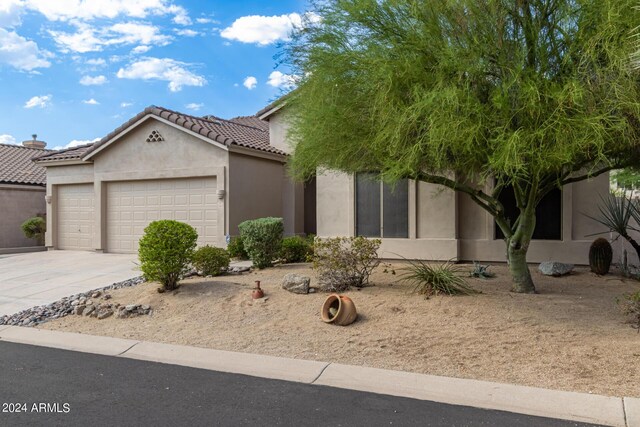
x: 28, y: 280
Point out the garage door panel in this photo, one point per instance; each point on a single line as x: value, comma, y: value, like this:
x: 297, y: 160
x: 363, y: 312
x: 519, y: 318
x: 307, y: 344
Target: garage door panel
x: 131, y: 206
x: 75, y: 213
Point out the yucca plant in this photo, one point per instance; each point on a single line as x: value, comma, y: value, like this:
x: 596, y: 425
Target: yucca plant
x: 615, y: 214
x: 435, y: 279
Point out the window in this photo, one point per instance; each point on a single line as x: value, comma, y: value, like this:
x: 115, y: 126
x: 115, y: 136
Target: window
x: 382, y: 210
x: 548, y: 214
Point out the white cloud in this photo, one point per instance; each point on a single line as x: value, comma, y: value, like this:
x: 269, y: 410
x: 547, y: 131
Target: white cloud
x: 90, y: 102
x: 181, y: 17
x: 187, y: 33
x: 93, y: 81
x: 76, y: 143
x: 278, y: 79
x: 140, y: 49
x: 194, y: 106
x: 10, y: 11
x: 250, y: 82
x: 165, y: 69
x: 65, y: 10
x: 7, y: 139
x: 206, y: 21
x: 264, y: 30
x: 126, y: 104
x: 95, y: 63
x: 89, y: 39
x: 39, y: 101
x: 21, y: 53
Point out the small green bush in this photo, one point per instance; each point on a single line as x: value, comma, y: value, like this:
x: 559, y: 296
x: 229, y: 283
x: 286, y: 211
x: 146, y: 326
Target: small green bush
x: 262, y: 239
x: 436, y: 279
x: 343, y: 262
x: 165, y: 251
x: 210, y: 261
x: 481, y: 271
x: 630, y: 305
x: 295, y: 249
x: 34, y: 228
x: 235, y: 248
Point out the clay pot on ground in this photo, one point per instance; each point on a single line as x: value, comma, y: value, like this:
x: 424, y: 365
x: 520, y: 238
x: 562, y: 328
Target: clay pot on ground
x: 257, y: 292
x: 339, y: 310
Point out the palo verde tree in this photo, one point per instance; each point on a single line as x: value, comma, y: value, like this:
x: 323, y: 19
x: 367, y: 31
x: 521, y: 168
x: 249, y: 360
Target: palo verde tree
x: 474, y: 95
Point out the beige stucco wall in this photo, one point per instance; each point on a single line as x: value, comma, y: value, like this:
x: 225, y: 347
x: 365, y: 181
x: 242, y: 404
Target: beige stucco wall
x: 444, y: 225
x: 278, y: 129
x: 17, y: 204
x: 255, y: 189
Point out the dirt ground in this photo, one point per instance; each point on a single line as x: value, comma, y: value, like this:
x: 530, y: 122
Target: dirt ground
x: 570, y: 336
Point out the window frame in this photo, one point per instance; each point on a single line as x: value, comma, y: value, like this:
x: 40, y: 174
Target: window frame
x: 381, y: 191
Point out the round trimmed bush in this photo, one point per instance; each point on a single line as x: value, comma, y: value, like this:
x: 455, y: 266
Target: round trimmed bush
x: 262, y: 239
x: 34, y: 228
x: 210, y: 261
x: 235, y: 248
x: 165, y: 251
x: 295, y: 249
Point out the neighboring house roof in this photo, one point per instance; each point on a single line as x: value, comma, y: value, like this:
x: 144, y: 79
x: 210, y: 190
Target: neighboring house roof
x: 274, y: 106
x: 72, y: 153
x: 17, y: 165
x: 248, y: 132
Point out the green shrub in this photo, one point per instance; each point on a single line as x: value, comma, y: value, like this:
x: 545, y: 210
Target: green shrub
x: 436, y: 279
x: 235, y: 248
x: 262, y: 239
x: 34, y: 228
x: 343, y: 262
x: 165, y: 251
x: 295, y: 249
x: 630, y: 304
x: 210, y: 261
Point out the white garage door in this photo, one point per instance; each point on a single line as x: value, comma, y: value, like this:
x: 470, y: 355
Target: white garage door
x: 75, y: 216
x: 132, y: 205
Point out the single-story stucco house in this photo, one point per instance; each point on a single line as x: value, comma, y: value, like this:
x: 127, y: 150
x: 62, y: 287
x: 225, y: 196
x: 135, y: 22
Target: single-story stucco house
x: 426, y: 221
x: 161, y: 164
x: 22, y: 192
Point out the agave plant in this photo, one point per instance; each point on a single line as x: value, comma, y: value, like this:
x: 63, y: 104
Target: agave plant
x: 434, y: 279
x: 615, y: 214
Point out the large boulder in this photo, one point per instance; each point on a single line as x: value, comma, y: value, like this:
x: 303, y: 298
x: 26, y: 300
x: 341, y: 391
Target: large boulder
x: 554, y: 268
x: 296, y: 284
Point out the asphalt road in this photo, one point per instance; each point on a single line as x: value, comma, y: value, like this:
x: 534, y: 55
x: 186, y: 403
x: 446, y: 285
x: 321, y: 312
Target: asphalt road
x: 93, y: 390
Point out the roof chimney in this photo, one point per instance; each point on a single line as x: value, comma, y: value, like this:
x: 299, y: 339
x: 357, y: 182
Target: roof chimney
x: 34, y: 143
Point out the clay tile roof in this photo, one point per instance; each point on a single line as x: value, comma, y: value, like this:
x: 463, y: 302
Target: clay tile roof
x: 244, y: 132
x: 17, y: 166
x: 252, y: 121
x: 72, y: 153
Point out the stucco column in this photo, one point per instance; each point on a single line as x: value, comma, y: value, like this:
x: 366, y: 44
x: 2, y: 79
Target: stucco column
x: 100, y: 210
x: 52, y: 202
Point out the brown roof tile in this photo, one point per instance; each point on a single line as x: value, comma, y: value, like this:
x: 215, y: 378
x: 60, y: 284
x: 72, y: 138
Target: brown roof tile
x: 227, y: 132
x: 252, y: 121
x: 17, y: 166
x: 72, y: 153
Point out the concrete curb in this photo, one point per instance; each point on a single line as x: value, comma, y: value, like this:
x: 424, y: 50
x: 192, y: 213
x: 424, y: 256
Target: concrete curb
x: 305, y: 371
x: 479, y: 394
x: 632, y: 411
x: 67, y: 340
x: 582, y: 407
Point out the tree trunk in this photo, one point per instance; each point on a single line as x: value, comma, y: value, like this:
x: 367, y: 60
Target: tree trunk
x: 517, y: 247
x: 522, y: 281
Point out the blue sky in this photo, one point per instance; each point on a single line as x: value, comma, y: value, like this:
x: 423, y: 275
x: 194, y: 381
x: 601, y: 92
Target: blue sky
x: 73, y: 70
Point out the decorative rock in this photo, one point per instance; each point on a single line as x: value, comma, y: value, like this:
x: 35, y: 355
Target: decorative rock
x: 88, y: 310
x: 296, y: 284
x: 96, y: 294
x: 75, y: 302
x: 88, y: 302
x: 130, y: 307
x: 238, y: 270
x: 146, y: 307
x: 78, y: 310
x: 106, y: 296
x: 103, y: 314
x: 556, y: 269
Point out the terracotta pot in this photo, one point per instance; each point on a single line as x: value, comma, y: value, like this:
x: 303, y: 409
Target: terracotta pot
x: 338, y: 309
x: 257, y: 292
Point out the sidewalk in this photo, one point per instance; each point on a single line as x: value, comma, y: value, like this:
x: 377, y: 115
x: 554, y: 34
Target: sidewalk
x: 582, y: 407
